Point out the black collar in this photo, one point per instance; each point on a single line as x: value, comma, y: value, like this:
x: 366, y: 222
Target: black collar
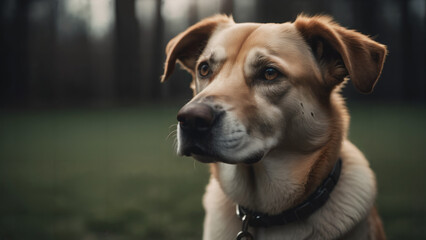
x: 302, y: 211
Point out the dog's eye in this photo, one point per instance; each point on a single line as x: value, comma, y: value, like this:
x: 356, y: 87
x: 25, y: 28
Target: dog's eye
x: 270, y: 73
x: 204, y: 69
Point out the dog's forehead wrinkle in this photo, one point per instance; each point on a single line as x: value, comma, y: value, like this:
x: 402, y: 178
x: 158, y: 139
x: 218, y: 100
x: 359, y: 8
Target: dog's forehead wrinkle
x: 214, y: 55
x: 256, y: 55
x: 233, y: 37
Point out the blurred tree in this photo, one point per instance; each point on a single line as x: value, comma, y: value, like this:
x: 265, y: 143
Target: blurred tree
x: 365, y: 14
x: 66, y: 72
x: 413, y: 49
x: 127, y: 59
x: 102, y: 53
x: 406, y: 34
x: 193, y: 12
x: 14, y: 84
x: 158, y: 53
x: 423, y: 40
x: 227, y: 6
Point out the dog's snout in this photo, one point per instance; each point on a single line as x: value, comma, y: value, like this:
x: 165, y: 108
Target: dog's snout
x: 196, y: 117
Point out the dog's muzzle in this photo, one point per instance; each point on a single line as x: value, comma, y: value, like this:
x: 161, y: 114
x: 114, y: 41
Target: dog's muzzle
x: 208, y: 133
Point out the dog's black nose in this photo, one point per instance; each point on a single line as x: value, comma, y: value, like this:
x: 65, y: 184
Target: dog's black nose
x: 196, y: 117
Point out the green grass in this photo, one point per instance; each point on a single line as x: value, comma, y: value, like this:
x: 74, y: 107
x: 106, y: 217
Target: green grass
x: 112, y: 174
x: 393, y: 138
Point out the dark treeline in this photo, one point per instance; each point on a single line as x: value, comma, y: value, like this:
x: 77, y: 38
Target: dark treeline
x: 52, y: 55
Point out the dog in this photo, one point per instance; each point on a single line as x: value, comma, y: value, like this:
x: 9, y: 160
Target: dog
x: 268, y: 117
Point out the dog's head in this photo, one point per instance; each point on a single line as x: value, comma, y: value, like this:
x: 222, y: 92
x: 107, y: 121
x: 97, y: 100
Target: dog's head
x: 260, y: 87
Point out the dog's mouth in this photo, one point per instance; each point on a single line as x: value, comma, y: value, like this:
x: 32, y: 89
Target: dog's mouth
x: 199, y: 153
x: 194, y: 150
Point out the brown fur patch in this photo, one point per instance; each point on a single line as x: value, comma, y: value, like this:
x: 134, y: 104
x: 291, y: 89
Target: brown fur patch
x: 363, y: 58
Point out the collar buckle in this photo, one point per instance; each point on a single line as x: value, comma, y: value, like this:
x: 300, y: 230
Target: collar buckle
x: 244, y: 234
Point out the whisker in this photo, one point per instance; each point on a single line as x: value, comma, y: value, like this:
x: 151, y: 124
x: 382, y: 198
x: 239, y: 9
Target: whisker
x: 175, y: 144
x: 172, y: 133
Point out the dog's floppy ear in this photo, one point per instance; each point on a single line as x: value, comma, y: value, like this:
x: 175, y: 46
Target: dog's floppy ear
x: 188, y: 45
x: 343, y: 52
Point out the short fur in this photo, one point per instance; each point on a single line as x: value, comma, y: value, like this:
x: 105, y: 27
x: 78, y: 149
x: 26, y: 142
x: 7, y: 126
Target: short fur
x: 296, y: 122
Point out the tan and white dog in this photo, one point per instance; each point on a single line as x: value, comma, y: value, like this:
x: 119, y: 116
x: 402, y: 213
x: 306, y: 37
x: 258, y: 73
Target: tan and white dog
x: 268, y: 117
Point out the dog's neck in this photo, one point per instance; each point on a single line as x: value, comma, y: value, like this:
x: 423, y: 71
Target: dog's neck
x: 284, y: 177
x: 277, y: 183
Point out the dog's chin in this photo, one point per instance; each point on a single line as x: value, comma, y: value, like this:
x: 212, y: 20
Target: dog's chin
x: 204, y: 154
x: 251, y: 159
x: 204, y: 158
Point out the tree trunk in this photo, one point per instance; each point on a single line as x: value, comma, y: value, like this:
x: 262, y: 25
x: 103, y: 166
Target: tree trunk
x: 14, y: 57
x: 227, y: 6
x: 127, y: 59
x: 408, y: 83
x: 157, y: 57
